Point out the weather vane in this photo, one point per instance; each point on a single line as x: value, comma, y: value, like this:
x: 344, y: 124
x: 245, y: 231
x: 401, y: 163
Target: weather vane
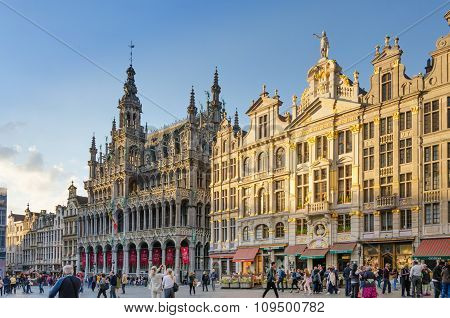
x: 131, y: 46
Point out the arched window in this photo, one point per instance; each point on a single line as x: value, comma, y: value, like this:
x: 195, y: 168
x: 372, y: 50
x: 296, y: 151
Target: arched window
x: 279, y: 230
x: 245, y: 234
x: 224, y: 146
x: 246, y: 167
x: 386, y: 87
x: 262, y: 204
x: 262, y: 232
x: 280, y: 158
x: 261, y: 162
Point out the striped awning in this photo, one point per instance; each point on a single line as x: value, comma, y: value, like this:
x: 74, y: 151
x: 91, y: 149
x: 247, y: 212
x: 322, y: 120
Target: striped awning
x: 342, y: 248
x: 295, y: 249
x: 433, y: 249
x: 245, y: 254
x: 314, y: 253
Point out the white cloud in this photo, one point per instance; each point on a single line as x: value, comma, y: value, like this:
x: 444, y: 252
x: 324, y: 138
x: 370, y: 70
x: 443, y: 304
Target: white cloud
x: 33, y: 181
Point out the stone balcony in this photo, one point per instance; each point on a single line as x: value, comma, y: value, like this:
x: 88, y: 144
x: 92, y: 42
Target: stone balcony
x: 432, y: 196
x: 318, y: 207
x: 386, y: 202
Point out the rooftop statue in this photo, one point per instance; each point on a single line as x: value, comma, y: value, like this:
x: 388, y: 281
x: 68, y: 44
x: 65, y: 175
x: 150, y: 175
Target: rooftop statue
x: 324, y: 45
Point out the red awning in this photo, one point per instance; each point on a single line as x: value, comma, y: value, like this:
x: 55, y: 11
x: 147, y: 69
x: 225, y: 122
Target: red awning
x: 295, y: 249
x: 223, y: 255
x: 342, y: 248
x: 245, y: 254
x: 314, y: 253
x: 433, y: 249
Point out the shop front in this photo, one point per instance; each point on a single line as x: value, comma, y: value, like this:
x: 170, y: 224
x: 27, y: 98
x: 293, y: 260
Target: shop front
x: 432, y: 250
x: 293, y: 252
x: 397, y: 254
x: 343, y: 253
x: 247, y: 257
x: 223, y: 263
x: 315, y: 256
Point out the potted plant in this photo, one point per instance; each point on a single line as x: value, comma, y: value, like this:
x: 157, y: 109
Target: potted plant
x: 246, y: 281
x: 234, y: 283
x: 264, y: 282
x: 225, y: 282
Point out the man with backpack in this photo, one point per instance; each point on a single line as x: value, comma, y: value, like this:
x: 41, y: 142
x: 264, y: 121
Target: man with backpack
x: 67, y: 286
x: 281, y: 277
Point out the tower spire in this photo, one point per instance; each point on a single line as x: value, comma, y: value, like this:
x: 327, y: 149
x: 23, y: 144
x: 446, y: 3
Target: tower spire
x: 216, y: 105
x: 131, y: 46
x: 192, y: 110
x: 236, y: 121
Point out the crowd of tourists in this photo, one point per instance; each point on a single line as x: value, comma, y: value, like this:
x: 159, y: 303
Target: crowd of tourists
x: 356, y: 281
x: 363, y: 281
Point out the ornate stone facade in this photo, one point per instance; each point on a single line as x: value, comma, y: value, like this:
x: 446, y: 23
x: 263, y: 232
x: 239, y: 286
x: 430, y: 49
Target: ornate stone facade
x: 346, y: 175
x: 148, y: 195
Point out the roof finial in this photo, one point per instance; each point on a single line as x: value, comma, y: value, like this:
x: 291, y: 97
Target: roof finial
x: 236, y: 121
x: 386, y: 41
x: 131, y: 46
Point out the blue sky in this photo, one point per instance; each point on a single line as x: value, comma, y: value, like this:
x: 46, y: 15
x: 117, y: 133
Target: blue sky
x: 52, y: 100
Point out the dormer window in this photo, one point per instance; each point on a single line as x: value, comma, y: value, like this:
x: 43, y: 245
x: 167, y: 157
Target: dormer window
x: 386, y: 87
x: 262, y: 127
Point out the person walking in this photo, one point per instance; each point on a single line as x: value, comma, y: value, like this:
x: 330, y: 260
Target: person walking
x: 316, y: 280
x: 346, y: 274
x: 379, y: 277
x: 354, y: 280
x: 426, y: 280
x: 386, y: 279
x: 112, y: 283
x: 405, y: 281
x: 13, y: 284
x: 28, y: 285
x: 370, y: 287
x: 6, y: 284
x: 394, y: 274
x: 192, y: 283
x: 445, y: 292
x: 271, y: 278
x: 416, y: 279
x: 94, y: 282
x: 67, y: 286
x: 308, y: 281
x: 155, y: 281
x: 205, y: 281
x: 103, y: 286
x: 295, y: 276
x: 332, y: 281
x: 281, y: 276
x: 124, y: 282
x: 40, y: 282
x: 1, y: 286
x: 437, y: 278
x: 168, y: 284
x: 213, y: 278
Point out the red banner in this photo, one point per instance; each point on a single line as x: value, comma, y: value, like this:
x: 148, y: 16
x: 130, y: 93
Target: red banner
x: 170, y: 256
x: 91, y: 259
x: 83, y: 259
x: 144, y: 257
x: 156, y: 256
x: 119, y: 259
x: 184, y: 255
x: 100, y: 258
x: 108, y: 258
x: 133, y: 257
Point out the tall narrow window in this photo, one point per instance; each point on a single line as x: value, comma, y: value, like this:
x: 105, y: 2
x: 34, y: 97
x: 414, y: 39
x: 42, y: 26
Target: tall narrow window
x: 233, y: 198
x: 431, y: 117
x: 386, y: 220
x: 405, y: 219
x: 302, y: 190
x: 320, y: 185
x: 386, y: 186
x: 261, y: 162
x: 262, y: 126
x: 280, y: 158
x: 344, y: 142
x: 344, y: 223
x: 368, y: 191
x: 321, y: 147
x: 368, y: 222
x: 345, y: 184
x: 368, y: 158
x: 232, y: 229
x: 224, y: 200
x: 245, y: 201
x: 405, y: 152
x: 279, y: 230
x: 246, y: 167
x: 386, y: 155
x: 431, y: 168
x: 386, y: 87
x: 232, y: 168
x: 368, y: 130
x: 406, y: 185
x: 224, y: 170
x: 405, y: 120
x: 302, y: 152
x: 301, y: 227
x: 279, y: 196
x: 432, y: 213
x: 386, y: 126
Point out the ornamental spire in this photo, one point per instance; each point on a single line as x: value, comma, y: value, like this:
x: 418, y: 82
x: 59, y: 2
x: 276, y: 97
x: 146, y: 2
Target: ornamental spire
x: 236, y: 121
